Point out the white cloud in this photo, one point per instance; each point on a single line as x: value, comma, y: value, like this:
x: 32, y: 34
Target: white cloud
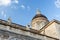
x: 3, y: 14
x: 14, y: 7
x: 16, y: 1
x: 57, y: 3
x: 5, y: 2
x: 22, y: 6
x: 25, y: 7
x: 28, y: 7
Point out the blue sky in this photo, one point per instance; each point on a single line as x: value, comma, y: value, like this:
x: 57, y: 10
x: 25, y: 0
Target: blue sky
x: 22, y: 11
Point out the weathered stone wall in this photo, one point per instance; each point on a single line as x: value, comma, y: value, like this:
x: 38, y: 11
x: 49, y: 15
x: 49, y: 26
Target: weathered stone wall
x: 8, y: 33
x: 53, y: 30
x: 4, y: 35
x: 39, y: 19
x: 58, y: 29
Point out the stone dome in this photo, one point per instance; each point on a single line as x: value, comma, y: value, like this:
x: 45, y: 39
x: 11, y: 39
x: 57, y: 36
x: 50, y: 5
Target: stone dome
x: 38, y: 14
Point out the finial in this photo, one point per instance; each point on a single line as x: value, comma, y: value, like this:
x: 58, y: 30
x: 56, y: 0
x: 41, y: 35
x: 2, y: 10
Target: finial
x: 28, y: 27
x: 9, y: 19
x: 38, y: 11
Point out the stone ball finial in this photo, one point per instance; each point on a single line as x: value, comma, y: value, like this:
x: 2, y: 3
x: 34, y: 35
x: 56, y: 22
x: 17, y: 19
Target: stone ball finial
x: 38, y: 11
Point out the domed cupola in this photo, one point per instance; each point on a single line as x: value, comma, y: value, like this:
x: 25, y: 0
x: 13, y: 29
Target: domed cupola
x: 39, y: 21
x: 38, y: 14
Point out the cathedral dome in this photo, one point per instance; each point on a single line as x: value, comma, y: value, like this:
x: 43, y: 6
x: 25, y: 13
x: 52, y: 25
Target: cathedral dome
x: 39, y: 21
x: 38, y: 14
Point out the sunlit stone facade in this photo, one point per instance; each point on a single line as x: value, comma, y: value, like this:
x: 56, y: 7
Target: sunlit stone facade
x: 40, y: 29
